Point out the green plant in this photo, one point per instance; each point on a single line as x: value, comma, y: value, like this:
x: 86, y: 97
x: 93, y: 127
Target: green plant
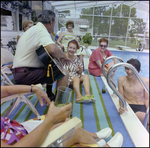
x: 87, y: 38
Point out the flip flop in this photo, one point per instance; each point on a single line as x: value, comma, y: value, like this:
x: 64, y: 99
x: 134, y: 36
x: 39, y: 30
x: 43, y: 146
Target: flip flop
x: 92, y: 98
x: 84, y: 99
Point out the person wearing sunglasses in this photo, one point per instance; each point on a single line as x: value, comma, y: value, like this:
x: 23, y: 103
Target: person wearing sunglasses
x: 97, y: 57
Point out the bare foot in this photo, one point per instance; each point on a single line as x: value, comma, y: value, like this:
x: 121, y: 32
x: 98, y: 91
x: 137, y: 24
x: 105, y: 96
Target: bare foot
x: 87, y: 94
x: 78, y: 98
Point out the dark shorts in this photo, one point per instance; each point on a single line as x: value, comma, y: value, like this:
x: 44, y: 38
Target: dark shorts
x: 30, y: 76
x: 138, y: 108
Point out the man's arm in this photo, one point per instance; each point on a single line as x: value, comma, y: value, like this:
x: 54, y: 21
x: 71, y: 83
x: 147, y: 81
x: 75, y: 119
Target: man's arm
x: 146, y: 94
x: 55, y: 51
x: 120, y: 89
x: 59, y: 40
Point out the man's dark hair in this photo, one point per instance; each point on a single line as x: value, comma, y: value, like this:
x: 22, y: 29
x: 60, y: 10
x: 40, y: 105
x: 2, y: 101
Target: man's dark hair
x: 46, y: 16
x: 136, y: 63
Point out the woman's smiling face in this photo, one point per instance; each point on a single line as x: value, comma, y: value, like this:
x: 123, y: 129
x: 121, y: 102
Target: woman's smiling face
x: 72, y: 48
x: 70, y: 28
x: 103, y: 46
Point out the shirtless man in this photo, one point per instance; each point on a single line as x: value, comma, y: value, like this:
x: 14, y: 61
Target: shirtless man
x: 133, y: 92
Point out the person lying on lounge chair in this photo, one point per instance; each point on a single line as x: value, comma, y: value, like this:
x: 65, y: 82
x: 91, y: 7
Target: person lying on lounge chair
x: 75, y: 74
x: 14, y: 134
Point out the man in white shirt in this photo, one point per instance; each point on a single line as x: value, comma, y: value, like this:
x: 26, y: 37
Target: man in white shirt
x: 27, y: 67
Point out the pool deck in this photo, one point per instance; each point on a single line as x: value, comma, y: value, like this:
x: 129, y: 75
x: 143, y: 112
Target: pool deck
x: 134, y: 127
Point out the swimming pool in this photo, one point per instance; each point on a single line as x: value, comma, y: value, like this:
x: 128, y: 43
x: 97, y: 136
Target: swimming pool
x: 125, y: 56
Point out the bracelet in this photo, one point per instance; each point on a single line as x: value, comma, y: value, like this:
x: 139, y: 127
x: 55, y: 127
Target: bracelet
x: 31, y: 87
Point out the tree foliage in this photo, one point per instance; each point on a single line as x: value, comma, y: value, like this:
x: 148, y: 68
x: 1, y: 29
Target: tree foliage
x: 65, y: 13
x: 119, y: 26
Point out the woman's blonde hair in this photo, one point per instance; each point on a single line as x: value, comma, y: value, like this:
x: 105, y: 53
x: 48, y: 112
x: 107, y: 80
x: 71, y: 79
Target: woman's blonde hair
x: 25, y: 24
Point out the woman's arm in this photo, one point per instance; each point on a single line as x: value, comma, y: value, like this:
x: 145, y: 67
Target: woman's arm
x: 18, y: 37
x: 77, y: 41
x: 59, y: 40
x: 17, y: 89
x: 98, y: 62
x: 115, y: 60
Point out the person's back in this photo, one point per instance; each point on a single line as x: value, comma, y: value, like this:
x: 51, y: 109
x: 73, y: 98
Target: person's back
x: 31, y: 39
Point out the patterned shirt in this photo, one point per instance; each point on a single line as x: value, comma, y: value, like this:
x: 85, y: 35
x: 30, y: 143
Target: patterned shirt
x: 73, y: 69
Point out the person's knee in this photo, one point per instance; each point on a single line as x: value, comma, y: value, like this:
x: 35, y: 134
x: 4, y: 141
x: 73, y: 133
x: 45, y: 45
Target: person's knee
x: 78, y: 133
x: 75, y: 79
x: 85, y: 77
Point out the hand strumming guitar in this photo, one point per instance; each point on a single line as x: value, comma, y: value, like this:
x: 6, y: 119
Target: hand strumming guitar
x: 65, y: 60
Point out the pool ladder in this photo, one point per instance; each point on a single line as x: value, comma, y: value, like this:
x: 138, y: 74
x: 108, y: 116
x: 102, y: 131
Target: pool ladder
x: 107, y: 76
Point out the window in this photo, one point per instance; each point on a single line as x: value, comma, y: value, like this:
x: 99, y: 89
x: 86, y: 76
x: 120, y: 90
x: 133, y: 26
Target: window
x: 83, y: 29
x: 7, y: 20
x: 37, y: 8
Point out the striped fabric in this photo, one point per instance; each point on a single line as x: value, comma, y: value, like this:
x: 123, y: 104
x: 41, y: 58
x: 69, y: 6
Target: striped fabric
x: 66, y: 38
x: 94, y: 117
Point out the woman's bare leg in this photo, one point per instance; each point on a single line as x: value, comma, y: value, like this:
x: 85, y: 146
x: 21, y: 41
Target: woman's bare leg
x: 76, y: 87
x: 63, y: 81
x: 86, y: 84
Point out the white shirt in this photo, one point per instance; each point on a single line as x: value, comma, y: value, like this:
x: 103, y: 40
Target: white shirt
x: 34, y: 37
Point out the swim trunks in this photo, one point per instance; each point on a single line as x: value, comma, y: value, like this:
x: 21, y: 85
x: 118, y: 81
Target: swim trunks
x: 136, y: 108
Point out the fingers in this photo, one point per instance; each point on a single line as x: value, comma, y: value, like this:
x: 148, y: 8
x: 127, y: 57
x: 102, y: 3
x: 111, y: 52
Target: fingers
x: 121, y: 110
x: 45, y: 100
x: 41, y: 101
x: 68, y: 109
x: 52, y: 104
x: 68, y: 106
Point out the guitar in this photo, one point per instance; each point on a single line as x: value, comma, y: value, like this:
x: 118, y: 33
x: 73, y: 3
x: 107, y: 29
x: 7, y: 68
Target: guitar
x: 54, y: 67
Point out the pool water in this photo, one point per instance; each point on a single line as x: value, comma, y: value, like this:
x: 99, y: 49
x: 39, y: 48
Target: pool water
x: 125, y: 56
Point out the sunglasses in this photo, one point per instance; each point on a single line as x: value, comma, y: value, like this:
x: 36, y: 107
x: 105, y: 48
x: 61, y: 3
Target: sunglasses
x: 103, y: 46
